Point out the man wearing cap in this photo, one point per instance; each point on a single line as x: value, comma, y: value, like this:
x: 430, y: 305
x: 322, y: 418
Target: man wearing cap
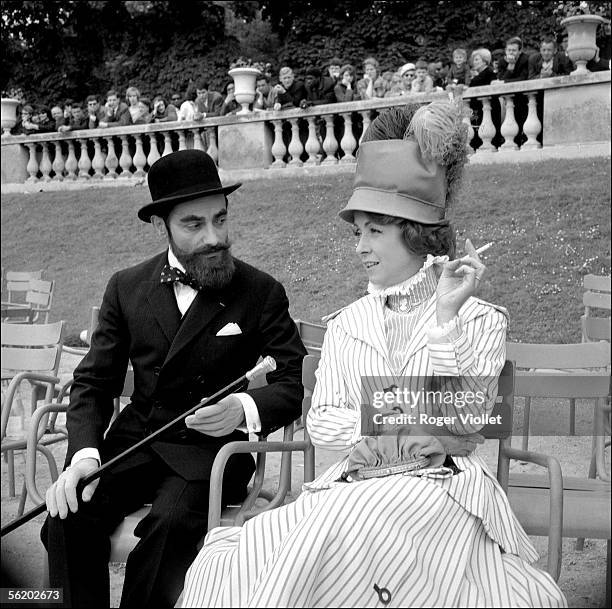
x: 189, y: 320
x: 407, y: 73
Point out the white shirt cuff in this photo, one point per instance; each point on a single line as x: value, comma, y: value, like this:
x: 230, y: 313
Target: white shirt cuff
x: 85, y: 453
x: 251, y: 414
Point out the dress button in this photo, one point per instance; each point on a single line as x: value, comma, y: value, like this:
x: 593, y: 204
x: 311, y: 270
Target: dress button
x: 156, y: 370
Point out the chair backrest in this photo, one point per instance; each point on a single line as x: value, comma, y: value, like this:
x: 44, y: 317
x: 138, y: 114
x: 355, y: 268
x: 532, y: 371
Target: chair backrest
x: 31, y: 348
x: 39, y: 297
x: 560, y: 371
x: 312, y: 335
x: 595, y: 329
x: 597, y: 283
x: 17, y: 284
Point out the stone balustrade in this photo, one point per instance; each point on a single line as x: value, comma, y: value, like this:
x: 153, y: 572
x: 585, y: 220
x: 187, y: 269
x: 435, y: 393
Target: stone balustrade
x: 517, y: 116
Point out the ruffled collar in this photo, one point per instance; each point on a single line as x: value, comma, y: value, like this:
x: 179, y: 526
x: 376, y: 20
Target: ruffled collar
x: 425, y: 275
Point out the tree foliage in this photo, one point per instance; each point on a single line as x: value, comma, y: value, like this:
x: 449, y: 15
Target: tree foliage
x: 70, y: 48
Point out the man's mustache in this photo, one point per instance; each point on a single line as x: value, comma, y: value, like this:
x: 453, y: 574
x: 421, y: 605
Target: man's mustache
x: 212, y: 249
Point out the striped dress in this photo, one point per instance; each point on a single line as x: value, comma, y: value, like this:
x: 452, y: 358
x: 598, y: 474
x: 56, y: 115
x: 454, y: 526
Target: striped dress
x: 433, y: 540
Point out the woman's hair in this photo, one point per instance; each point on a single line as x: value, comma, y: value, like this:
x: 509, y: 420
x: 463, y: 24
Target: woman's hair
x: 347, y: 68
x: 422, y: 239
x: 131, y: 91
x: 484, y: 54
x: 371, y: 61
x: 146, y: 101
x: 160, y: 98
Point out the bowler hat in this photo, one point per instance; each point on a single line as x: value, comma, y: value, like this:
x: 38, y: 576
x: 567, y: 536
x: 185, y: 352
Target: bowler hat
x: 179, y: 177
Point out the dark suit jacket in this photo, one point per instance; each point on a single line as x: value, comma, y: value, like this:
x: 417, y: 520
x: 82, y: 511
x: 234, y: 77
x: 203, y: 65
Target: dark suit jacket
x: 121, y: 117
x: 211, y: 103
x: 520, y: 71
x: 177, y: 362
x: 293, y: 95
x: 561, y: 65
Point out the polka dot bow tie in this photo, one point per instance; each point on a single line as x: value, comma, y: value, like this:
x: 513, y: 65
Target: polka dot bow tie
x: 170, y: 274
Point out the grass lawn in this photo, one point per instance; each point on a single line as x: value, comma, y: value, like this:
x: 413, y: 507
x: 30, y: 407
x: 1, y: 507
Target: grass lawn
x: 550, y: 222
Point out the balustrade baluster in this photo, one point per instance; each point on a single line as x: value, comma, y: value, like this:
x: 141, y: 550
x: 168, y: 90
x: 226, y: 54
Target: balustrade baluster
x: 313, y: 146
x: 125, y: 160
x: 45, y: 163
x: 366, y: 123
x: 153, y: 149
x: 213, y: 151
x: 112, y: 162
x: 468, y: 121
x: 71, y: 162
x: 197, y: 140
x: 58, y: 162
x: 509, y: 128
x: 532, y: 126
x: 348, y: 142
x: 295, y: 145
x: 32, y: 166
x: 486, y: 130
x: 98, y: 162
x: 182, y: 140
x: 167, y: 143
x: 330, y: 145
x: 278, y: 147
x: 84, y: 162
x: 140, y: 160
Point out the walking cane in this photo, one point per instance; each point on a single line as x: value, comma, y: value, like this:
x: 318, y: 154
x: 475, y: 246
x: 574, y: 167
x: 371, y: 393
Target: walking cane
x: 266, y: 365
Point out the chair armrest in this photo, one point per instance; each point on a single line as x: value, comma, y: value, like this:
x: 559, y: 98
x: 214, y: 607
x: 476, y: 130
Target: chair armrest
x: 555, y: 481
x: 238, y: 447
x: 34, y: 434
x: 75, y: 350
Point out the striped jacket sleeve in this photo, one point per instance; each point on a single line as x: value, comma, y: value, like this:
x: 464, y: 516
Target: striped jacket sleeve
x: 333, y: 423
x: 473, y: 352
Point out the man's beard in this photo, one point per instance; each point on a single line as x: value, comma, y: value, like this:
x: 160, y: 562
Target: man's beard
x: 213, y: 273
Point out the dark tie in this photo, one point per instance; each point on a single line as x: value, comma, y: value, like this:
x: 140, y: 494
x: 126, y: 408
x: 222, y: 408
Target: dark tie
x: 170, y: 274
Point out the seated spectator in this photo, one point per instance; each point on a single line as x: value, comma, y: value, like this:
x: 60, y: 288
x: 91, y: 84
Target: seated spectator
x: 44, y: 121
x: 116, y: 113
x: 188, y: 110
x: 57, y: 114
x: 132, y: 95
x: 548, y: 62
x: 144, y: 118
x: 317, y: 91
x: 514, y: 65
x: 371, y: 85
x: 262, y: 94
x: 25, y: 125
x: 77, y: 121
x: 482, y: 70
x: 95, y: 112
x: 458, y: 71
x: 422, y: 82
x: 434, y: 69
x: 496, y: 55
x: 334, y: 69
x: 289, y: 92
x: 230, y: 105
x: 396, y: 86
x: 597, y: 64
x: 208, y: 102
x: 176, y: 100
x: 344, y: 91
x: 162, y: 112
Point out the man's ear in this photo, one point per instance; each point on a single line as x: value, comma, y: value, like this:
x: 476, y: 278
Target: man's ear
x: 159, y: 224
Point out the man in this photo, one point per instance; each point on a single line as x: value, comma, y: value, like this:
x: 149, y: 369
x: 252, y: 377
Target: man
x: 208, y: 103
x: 190, y: 320
x: 176, y: 100
x: 333, y: 69
x: 515, y: 64
x: 289, y: 92
x: 262, y: 94
x: 318, y: 91
x: 407, y: 73
x: 422, y: 81
x: 230, y: 105
x: 117, y: 114
x: 57, y: 114
x: 95, y: 112
x: 77, y: 121
x: 548, y: 62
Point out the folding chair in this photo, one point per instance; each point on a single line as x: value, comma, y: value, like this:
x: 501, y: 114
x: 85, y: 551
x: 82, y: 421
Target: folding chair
x: 311, y: 335
x: 36, y: 305
x: 29, y: 353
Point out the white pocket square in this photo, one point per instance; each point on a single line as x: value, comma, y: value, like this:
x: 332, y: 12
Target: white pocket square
x: 230, y: 329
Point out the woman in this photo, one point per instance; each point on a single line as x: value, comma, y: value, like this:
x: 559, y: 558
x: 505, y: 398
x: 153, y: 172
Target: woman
x: 132, y: 96
x: 344, y: 89
x: 371, y: 85
x: 145, y: 115
x: 162, y: 112
x: 481, y: 64
x: 439, y: 531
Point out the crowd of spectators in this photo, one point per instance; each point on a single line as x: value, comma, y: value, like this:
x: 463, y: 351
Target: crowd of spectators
x: 336, y: 82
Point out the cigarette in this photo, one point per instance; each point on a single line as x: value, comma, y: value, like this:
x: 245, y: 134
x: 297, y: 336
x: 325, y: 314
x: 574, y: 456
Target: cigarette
x: 484, y: 248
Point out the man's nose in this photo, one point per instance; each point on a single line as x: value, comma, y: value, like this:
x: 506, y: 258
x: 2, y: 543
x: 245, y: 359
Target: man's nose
x: 209, y: 236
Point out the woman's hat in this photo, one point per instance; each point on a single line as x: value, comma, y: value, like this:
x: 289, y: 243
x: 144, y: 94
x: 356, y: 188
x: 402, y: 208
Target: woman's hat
x: 414, y: 178
x: 179, y: 177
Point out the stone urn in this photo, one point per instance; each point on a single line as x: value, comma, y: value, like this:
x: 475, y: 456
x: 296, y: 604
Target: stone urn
x: 581, y: 46
x: 9, y: 114
x: 244, y: 86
